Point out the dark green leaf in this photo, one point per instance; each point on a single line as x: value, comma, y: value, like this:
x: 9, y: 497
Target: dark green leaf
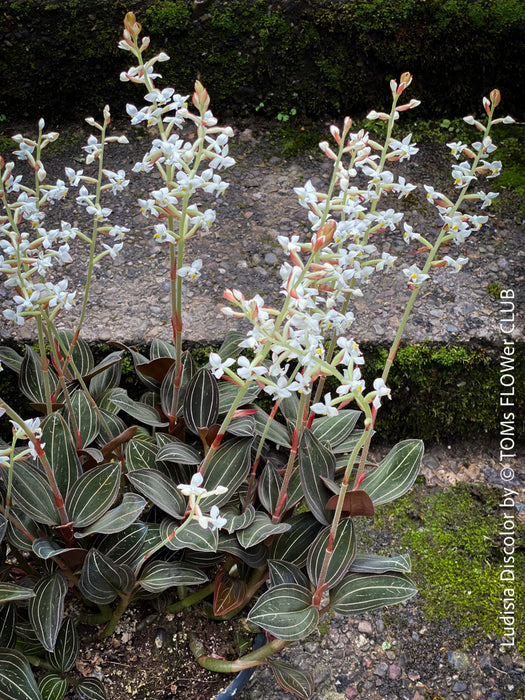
x: 343, y: 553
x: 125, y: 546
x: 269, y: 487
x: 81, y: 356
x: 228, y: 393
x: 159, y: 489
x: 293, y: 680
x: 52, y: 687
x: 358, y: 593
x: 159, y: 348
x: 316, y: 461
x: 16, y: 678
x: 201, y: 401
x: 135, y: 409
x: 115, y: 427
x: 157, y: 576
x: 254, y: 557
x: 261, y: 528
x: 238, y: 521
x: 61, y: 451
x: 119, y: 518
x: 230, y: 345
x: 90, y: 689
x: 293, y: 546
x: 46, y: 609
x: 138, y: 360
x: 33, y: 495
x: 180, y: 453
x: 7, y: 625
x: 10, y: 591
x: 92, y: 494
x: 335, y: 429
x: 31, y: 377
x: 166, y: 389
x: 10, y: 358
x: 346, y: 447
x: 64, y: 656
x: 286, y: 612
x: 396, y: 472
x: 276, y: 433
x: 106, y: 375
x: 46, y: 548
x: 284, y: 572
x: 3, y: 528
x: 86, y: 418
x: 290, y: 408
x: 229, y: 467
x: 140, y: 455
x: 242, y: 427
x: 374, y: 563
x: 102, y: 579
x: 196, y: 538
x: 17, y: 538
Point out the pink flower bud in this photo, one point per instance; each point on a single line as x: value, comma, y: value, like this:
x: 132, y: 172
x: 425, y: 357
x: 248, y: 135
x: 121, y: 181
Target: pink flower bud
x: 486, y: 104
x: 495, y: 97
x: 335, y: 133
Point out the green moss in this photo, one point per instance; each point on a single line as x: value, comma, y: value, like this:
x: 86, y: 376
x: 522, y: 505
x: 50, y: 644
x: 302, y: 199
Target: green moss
x: 168, y: 16
x: 441, y: 391
x: 457, y: 554
x: 494, y: 289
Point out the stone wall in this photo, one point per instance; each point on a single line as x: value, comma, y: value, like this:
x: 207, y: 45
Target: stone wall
x: 319, y: 57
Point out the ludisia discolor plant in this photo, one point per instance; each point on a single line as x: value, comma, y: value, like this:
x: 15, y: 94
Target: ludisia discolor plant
x: 194, y: 491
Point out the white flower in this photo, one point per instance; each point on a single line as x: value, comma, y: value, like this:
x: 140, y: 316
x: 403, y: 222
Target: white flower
x: 380, y: 389
x: 194, y: 487
x: 191, y: 271
x: 404, y: 147
x: 415, y: 276
x: 247, y: 371
x: 217, y: 365
x: 456, y: 148
x: 456, y: 265
x: 215, y: 519
x: 324, y: 409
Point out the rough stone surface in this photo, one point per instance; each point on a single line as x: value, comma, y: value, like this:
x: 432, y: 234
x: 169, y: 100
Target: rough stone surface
x: 129, y: 299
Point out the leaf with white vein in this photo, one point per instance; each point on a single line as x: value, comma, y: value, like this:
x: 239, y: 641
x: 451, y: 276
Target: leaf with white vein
x: 46, y: 609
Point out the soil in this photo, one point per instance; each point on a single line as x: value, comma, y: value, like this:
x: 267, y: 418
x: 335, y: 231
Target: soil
x: 148, y: 656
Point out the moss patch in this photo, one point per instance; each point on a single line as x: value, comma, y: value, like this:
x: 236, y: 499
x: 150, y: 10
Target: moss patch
x: 457, y: 554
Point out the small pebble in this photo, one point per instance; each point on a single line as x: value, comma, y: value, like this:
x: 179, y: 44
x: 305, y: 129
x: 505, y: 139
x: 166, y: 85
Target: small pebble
x: 458, y: 660
x: 394, y: 672
x: 381, y: 669
x: 365, y: 627
x: 459, y: 687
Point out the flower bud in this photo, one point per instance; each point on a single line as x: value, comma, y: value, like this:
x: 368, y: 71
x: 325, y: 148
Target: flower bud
x: 495, y: 97
x: 393, y: 86
x: 335, y: 133
x: 41, y: 124
x: 200, y: 99
x: 131, y: 25
x: 486, y: 105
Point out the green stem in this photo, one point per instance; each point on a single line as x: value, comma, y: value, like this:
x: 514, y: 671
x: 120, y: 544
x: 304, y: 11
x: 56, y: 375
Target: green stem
x: 123, y: 603
x: 192, y: 599
x: 254, y: 658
